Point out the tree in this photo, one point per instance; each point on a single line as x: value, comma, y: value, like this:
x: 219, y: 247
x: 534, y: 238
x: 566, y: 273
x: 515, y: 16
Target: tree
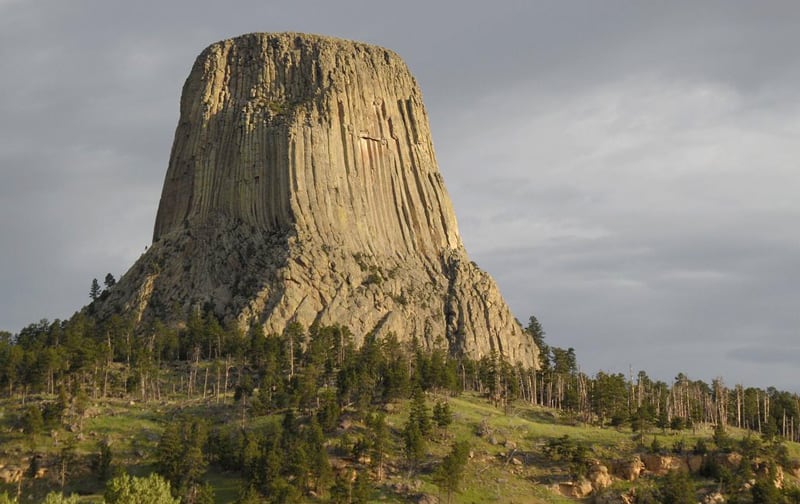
x: 104, y: 459
x: 450, y: 472
x: 442, y: 415
x: 94, y: 290
x: 676, y: 488
x: 109, y: 281
x: 380, y: 441
x: 127, y: 489
x: 66, y: 458
x: 32, y: 422
x: 318, y: 463
x: 414, y: 444
x: 419, y: 414
x: 180, y: 455
x: 765, y: 492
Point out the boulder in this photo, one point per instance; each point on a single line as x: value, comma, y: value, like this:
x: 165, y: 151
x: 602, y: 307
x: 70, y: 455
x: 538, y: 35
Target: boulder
x: 576, y: 490
x: 662, y: 464
x: 695, y: 463
x: 714, y: 498
x: 628, y: 470
x: 730, y: 461
x: 599, y: 477
x: 10, y: 475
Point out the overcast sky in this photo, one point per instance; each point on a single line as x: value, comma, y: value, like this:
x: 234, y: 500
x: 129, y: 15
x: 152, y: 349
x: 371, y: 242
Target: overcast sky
x: 627, y: 171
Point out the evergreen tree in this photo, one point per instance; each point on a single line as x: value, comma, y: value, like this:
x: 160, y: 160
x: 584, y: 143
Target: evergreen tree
x: 329, y: 411
x: 764, y: 491
x: 342, y: 490
x: 419, y: 413
x: 450, y: 472
x: 109, y: 281
x: 32, y: 422
x: 94, y: 290
x: 104, y: 460
x: 180, y: 456
x: 442, y: 414
x: 380, y: 441
x: 361, y: 489
x: 169, y: 452
x: 318, y: 464
x: 676, y: 488
x: 414, y: 444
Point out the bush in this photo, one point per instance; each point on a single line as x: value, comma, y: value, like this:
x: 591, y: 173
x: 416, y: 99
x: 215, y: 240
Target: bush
x: 700, y: 448
x: 566, y: 449
x: 127, y: 489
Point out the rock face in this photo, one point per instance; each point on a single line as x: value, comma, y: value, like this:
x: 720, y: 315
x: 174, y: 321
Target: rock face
x: 302, y: 186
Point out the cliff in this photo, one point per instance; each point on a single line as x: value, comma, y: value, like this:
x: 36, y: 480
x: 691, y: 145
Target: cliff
x: 303, y: 186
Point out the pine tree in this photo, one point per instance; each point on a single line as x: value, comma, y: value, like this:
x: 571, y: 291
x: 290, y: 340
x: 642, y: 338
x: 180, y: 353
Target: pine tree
x: 169, y: 452
x: 442, y: 414
x: 318, y: 464
x: 104, y: 459
x: 94, y: 290
x: 676, y: 488
x: 419, y: 413
x: 414, y: 444
x: 450, y: 472
x: 380, y: 441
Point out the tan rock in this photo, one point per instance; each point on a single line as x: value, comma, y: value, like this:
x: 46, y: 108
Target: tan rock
x: 303, y: 186
x: 10, y: 474
x: 714, y: 498
x: 616, y: 498
x: 730, y: 461
x: 695, y: 463
x: 779, y: 477
x: 576, y: 490
x: 628, y: 470
x: 599, y: 477
x: 662, y: 464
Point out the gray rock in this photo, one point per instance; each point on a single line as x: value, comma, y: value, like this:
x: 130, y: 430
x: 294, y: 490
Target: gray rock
x: 303, y: 186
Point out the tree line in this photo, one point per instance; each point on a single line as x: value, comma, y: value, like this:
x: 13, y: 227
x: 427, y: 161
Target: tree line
x: 328, y: 368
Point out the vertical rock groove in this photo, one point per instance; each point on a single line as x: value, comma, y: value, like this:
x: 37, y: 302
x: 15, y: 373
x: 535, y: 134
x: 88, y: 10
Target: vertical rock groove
x: 302, y: 185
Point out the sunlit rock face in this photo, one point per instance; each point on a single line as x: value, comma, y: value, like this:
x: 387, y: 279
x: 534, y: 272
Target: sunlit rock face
x: 303, y: 186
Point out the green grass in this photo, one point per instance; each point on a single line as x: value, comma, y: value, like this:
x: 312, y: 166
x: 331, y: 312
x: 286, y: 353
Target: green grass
x: 135, y: 428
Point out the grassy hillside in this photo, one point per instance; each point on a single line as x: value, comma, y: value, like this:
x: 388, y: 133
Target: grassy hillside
x: 509, y: 460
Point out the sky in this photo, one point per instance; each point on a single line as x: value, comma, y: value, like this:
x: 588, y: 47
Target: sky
x: 626, y: 171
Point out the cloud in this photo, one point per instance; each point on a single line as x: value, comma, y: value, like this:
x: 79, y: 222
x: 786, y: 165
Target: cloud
x: 626, y: 172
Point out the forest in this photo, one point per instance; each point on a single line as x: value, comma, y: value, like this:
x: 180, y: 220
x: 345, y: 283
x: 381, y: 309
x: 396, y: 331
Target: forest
x: 272, y: 404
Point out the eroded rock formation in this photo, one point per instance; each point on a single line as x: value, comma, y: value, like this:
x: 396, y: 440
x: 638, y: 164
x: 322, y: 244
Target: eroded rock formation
x: 303, y: 186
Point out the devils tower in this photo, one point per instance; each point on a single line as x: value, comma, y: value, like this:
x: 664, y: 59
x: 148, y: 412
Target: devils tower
x: 302, y: 186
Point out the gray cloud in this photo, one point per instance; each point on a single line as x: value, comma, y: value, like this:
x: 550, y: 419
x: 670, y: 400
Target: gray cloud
x: 626, y: 172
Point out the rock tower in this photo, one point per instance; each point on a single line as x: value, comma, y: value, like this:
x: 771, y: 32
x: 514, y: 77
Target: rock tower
x: 302, y: 186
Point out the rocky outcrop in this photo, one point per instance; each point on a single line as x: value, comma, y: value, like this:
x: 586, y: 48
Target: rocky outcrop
x: 303, y: 186
x: 662, y: 464
x: 599, y: 476
x: 628, y: 469
x: 574, y: 489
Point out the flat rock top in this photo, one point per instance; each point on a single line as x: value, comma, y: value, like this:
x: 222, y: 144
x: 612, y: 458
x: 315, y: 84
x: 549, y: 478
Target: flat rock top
x: 299, y: 39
